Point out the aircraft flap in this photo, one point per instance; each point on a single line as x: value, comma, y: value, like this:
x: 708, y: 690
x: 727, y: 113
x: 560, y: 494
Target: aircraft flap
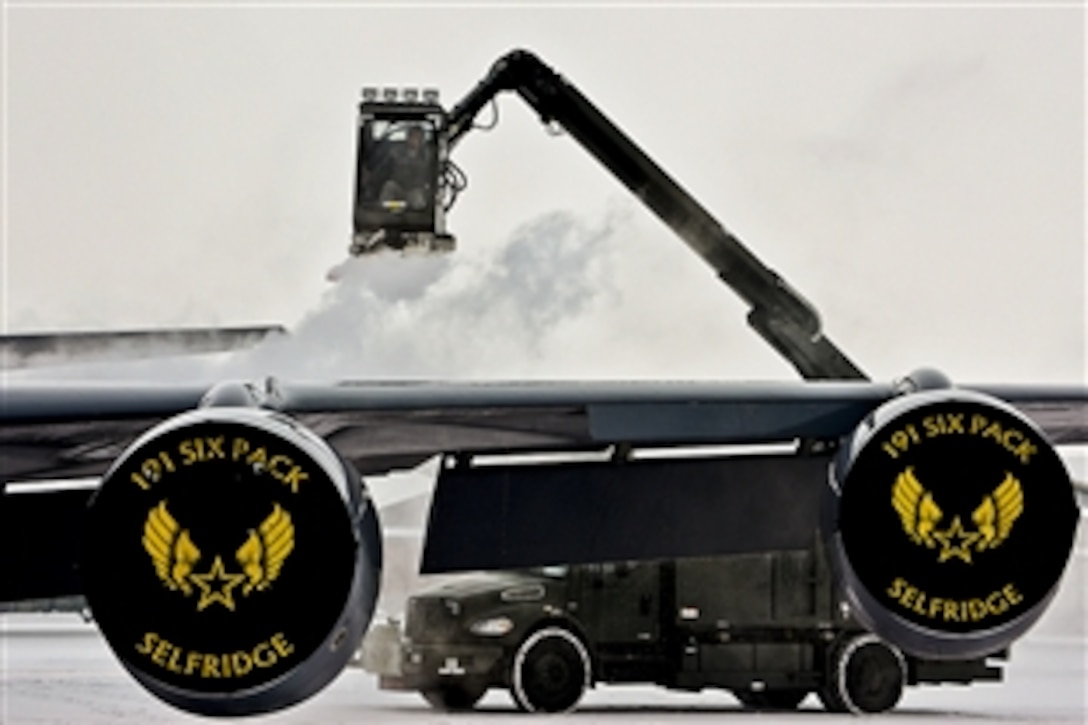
x: 510, y: 517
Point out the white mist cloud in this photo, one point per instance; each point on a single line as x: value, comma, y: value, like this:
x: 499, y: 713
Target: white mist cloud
x: 916, y: 172
x: 494, y: 312
x: 497, y: 311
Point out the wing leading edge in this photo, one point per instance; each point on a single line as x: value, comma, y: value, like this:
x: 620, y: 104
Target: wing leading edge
x: 64, y: 431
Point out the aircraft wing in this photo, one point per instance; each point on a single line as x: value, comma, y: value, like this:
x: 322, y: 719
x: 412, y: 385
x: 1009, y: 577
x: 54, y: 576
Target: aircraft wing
x: 66, y: 431
x: 61, y: 430
x: 57, y: 348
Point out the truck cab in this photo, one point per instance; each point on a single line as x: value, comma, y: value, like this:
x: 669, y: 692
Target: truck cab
x: 769, y: 627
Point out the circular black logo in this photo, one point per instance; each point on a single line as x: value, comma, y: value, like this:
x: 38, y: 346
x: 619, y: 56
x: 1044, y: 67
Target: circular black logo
x: 220, y: 555
x: 956, y: 515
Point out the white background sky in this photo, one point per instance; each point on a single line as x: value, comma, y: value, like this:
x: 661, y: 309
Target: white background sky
x: 916, y: 171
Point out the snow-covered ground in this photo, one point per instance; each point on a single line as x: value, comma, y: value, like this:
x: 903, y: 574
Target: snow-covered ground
x: 58, y: 670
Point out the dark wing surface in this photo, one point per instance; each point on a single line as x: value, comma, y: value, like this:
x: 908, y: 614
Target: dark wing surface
x: 64, y: 431
x: 71, y: 430
x: 1060, y: 411
x: 68, y: 430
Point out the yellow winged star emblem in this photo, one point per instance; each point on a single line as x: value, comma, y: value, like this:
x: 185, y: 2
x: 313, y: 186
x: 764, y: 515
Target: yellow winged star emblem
x: 993, y: 518
x: 266, y: 548
x: 172, y: 551
x: 174, y: 556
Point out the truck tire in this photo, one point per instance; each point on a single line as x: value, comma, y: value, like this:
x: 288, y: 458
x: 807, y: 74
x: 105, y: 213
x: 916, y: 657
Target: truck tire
x: 550, y: 671
x: 865, y: 675
x: 783, y: 699
x: 454, y: 697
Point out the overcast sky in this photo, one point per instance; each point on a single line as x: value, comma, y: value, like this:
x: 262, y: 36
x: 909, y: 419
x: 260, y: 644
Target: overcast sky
x: 917, y: 172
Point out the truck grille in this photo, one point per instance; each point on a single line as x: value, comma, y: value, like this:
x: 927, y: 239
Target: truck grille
x: 429, y: 618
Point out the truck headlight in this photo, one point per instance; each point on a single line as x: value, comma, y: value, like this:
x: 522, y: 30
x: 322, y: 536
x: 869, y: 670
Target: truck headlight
x: 492, y: 627
x: 523, y: 593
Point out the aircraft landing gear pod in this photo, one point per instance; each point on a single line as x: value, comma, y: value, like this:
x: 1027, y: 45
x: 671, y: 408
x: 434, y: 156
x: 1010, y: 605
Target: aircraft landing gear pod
x: 955, y: 519
x: 232, y: 561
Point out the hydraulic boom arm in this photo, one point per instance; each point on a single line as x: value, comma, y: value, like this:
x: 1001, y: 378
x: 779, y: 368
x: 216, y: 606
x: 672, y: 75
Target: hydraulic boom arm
x: 778, y: 313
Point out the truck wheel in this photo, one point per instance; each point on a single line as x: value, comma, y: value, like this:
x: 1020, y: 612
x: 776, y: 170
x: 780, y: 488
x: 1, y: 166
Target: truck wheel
x: 866, y: 675
x: 784, y: 699
x: 452, y: 697
x: 550, y: 672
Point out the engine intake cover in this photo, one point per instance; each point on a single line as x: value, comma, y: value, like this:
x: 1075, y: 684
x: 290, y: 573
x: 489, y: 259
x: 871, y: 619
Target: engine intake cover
x: 232, y: 561
x: 955, y: 520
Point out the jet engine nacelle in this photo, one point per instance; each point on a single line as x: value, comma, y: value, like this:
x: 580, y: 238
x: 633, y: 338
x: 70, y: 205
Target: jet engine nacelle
x: 232, y: 561
x: 951, y: 522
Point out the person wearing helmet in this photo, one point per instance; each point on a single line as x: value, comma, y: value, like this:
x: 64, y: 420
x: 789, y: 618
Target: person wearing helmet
x: 409, y: 178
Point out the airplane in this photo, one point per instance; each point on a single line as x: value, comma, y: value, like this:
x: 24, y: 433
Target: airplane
x: 231, y: 552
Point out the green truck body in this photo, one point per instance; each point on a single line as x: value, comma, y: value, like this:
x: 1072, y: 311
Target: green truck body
x: 769, y: 627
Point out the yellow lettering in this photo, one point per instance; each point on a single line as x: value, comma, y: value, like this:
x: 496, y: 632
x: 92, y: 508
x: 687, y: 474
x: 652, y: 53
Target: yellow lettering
x: 993, y: 431
x: 169, y: 656
x: 152, y: 470
x: 896, y: 588
x: 977, y: 609
x: 141, y: 481
x: 274, y: 465
x: 919, y: 603
x: 933, y: 427
x: 1016, y: 443
x: 258, y: 457
x: 263, y: 660
x: 951, y: 613
x: 148, y: 644
x: 188, y: 455
x: 192, y: 662
x: 210, y: 667
x: 294, y: 477
x: 242, y: 663
x: 916, y: 600
x: 159, y: 655
x: 943, y: 424
x: 978, y: 422
x: 281, y: 645
x: 1024, y: 451
x: 239, y: 448
x: 215, y: 447
x: 173, y: 664
x: 996, y: 603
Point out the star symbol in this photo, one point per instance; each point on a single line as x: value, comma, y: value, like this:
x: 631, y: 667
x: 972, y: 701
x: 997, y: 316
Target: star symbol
x: 220, y: 590
x: 956, y: 533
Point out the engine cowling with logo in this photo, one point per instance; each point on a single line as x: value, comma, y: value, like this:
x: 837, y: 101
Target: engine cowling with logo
x: 951, y: 522
x: 232, y: 561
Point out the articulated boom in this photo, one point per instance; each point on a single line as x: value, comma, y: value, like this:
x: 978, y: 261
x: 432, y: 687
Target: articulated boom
x: 784, y: 318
